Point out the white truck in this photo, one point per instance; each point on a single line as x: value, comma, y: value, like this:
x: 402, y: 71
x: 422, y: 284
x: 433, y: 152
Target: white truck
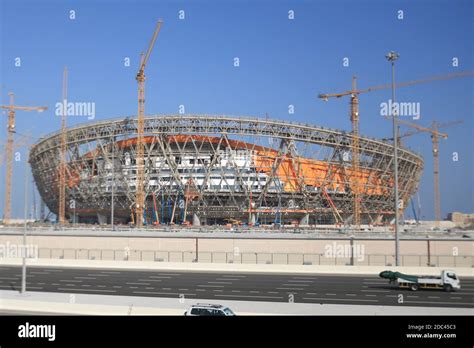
x: 448, y: 281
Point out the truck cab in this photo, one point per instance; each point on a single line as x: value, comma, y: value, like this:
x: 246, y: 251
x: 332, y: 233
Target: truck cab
x: 450, y: 280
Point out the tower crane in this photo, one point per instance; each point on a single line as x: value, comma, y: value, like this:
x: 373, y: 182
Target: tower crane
x: 354, y: 117
x: 140, y: 194
x: 9, y: 149
x: 435, y: 135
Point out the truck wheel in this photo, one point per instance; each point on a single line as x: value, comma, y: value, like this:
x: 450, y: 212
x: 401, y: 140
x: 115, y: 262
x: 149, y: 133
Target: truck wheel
x: 448, y: 288
x: 414, y: 287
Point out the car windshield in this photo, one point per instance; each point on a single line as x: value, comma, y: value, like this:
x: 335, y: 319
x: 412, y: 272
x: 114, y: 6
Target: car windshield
x: 228, y: 311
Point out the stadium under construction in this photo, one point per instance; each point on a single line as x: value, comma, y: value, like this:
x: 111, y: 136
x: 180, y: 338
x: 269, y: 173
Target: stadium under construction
x: 220, y: 170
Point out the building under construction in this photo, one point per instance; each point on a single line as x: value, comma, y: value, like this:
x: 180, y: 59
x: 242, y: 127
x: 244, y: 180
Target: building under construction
x: 220, y: 170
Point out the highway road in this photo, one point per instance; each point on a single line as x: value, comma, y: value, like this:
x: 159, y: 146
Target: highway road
x: 300, y: 288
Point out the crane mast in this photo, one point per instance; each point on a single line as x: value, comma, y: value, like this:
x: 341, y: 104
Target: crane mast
x: 435, y: 135
x: 140, y: 194
x: 9, y: 150
x: 435, y: 144
x: 355, y: 151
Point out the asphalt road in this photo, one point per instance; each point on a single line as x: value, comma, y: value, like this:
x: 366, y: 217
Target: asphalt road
x: 328, y: 289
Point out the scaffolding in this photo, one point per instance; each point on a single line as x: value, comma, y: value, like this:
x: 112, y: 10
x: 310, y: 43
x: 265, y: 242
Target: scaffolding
x: 209, y: 169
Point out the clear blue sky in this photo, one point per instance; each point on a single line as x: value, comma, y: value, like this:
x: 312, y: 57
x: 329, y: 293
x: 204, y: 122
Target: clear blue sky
x: 282, y: 62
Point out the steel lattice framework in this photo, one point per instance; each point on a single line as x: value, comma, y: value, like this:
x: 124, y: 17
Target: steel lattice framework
x: 218, y: 168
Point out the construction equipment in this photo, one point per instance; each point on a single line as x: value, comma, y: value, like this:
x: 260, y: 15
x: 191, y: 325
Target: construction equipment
x: 435, y: 135
x: 447, y: 280
x: 140, y: 194
x: 354, y: 115
x: 62, y: 158
x: 9, y: 150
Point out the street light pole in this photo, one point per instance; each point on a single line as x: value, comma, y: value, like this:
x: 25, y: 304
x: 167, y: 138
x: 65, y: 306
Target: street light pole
x: 113, y: 186
x: 392, y: 57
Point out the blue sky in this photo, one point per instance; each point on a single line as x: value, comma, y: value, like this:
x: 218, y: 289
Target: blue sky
x: 282, y: 62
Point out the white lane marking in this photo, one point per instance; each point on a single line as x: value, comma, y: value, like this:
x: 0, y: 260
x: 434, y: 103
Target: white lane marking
x: 183, y: 289
x: 97, y: 275
x: 101, y: 286
x: 295, y: 284
x: 211, y: 286
x: 330, y: 294
x: 170, y: 274
x: 232, y: 279
x: 133, y: 287
x: 373, y: 283
x: 454, y: 298
x: 86, y: 286
x: 311, y: 293
x: 371, y: 279
x: 253, y: 296
x: 74, y: 281
x: 254, y: 292
x: 85, y: 277
x: 166, y: 288
x: 219, y: 282
x: 371, y: 295
x: 410, y: 296
x: 161, y: 293
x: 351, y: 295
x: 375, y: 290
x: 433, y: 297
x: 138, y: 283
x: 94, y: 290
x: 449, y: 303
x: 235, y: 291
x: 149, y: 288
x: 150, y: 280
x: 216, y: 290
x: 160, y: 277
x: 56, y: 284
x: 110, y: 272
x: 270, y: 292
x: 337, y: 299
x: 7, y: 278
x: 53, y: 270
x: 33, y: 272
x: 117, y: 286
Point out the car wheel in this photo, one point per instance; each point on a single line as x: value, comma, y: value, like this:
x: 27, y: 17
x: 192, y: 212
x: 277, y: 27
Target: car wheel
x: 414, y: 287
